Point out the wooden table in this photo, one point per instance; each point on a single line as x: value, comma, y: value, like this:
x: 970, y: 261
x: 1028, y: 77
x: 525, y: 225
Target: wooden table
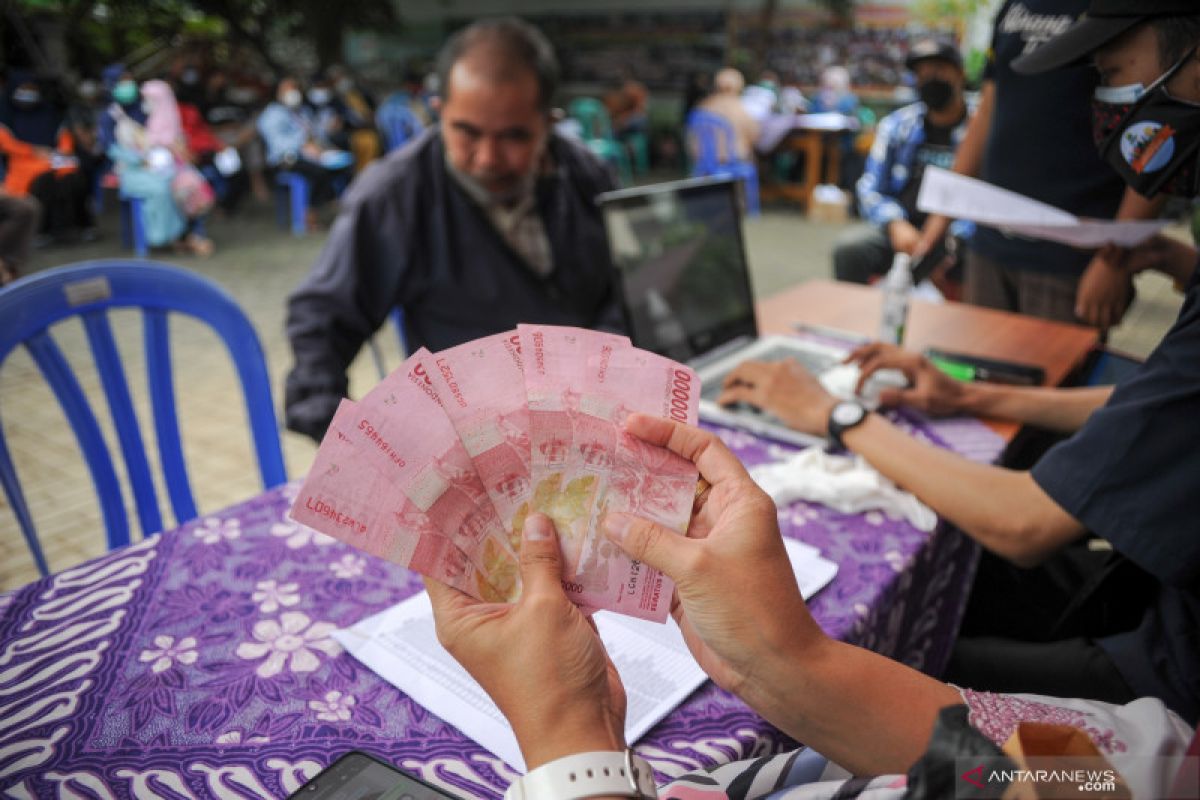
x: 1056, y: 347
x: 822, y: 161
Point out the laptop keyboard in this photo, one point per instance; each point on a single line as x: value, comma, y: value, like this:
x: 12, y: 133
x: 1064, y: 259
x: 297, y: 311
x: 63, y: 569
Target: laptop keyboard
x: 814, y: 362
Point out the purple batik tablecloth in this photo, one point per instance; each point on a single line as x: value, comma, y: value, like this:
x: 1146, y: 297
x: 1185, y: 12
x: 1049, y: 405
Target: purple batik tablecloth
x: 198, y: 663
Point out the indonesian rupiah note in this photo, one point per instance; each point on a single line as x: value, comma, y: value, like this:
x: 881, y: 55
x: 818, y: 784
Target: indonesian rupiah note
x: 401, y: 428
x: 642, y: 479
x: 482, y: 391
x: 567, y: 464
x: 348, y: 499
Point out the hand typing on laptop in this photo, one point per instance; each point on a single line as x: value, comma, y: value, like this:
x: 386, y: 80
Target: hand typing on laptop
x: 783, y: 388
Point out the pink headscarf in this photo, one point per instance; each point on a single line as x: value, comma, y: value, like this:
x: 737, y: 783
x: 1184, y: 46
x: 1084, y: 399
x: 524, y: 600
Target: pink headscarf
x: 163, y: 128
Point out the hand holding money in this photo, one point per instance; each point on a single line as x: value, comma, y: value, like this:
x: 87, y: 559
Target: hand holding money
x: 559, y: 690
x: 438, y: 467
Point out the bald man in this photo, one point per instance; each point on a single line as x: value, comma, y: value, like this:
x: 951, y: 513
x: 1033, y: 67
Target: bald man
x: 726, y: 101
x: 485, y: 221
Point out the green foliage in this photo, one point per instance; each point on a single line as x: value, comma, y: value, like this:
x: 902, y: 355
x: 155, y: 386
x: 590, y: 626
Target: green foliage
x: 949, y: 14
x: 99, y: 31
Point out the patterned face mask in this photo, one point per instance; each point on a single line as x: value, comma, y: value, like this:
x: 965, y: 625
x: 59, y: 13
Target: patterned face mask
x: 1149, y: 137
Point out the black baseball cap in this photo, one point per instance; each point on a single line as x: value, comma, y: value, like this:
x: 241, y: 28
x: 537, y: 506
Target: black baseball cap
x: 932, y: 48
x: 1103, y: 22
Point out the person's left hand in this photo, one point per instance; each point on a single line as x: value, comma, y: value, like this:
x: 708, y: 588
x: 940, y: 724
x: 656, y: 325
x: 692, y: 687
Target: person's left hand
x: 785, y: 389
x: 1105, y: 290
x: 540, y: 660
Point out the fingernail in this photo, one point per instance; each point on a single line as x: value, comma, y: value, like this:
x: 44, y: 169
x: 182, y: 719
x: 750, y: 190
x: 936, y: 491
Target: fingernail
x: 538, y: 528
x: 616, y: 525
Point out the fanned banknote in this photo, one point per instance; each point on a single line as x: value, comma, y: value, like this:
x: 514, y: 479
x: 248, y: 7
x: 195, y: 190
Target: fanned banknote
x: 351, y: 500
x: 482, y: 389
x: 439, y: 465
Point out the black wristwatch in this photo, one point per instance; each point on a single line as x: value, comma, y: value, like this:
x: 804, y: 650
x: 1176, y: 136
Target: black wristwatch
x: 844, y: 416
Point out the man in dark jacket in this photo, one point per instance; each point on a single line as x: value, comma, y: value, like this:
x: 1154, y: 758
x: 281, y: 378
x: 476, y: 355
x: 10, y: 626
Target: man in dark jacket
x: 484, y: 222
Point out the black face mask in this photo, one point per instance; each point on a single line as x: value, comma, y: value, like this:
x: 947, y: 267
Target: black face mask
x: 936, y: 93
x: 1154, y: 142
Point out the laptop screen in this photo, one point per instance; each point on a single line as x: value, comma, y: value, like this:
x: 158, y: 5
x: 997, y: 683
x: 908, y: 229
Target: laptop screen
x: 684, y: 282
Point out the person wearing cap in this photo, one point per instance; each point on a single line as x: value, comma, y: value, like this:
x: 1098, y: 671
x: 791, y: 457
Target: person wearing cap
x: 1033, y: 136
x: 864, y: 712
x: 906, y: 142
x: 1121, y: 620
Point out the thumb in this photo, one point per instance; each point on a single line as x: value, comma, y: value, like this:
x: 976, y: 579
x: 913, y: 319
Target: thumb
x: 541, y: 558
x: 652, y: 544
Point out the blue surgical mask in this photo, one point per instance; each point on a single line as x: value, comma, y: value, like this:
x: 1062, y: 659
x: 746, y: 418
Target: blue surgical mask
x: 1120, y: 95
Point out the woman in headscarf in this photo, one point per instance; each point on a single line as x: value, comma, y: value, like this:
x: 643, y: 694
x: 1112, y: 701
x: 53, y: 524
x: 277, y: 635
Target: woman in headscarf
x: 147, y: 160
x: 42, y: 162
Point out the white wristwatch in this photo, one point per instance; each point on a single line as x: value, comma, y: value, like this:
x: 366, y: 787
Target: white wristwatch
x: 585, y: 775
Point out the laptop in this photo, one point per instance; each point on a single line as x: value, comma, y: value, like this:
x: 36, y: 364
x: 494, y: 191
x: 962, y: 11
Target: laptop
x: 686, y: 294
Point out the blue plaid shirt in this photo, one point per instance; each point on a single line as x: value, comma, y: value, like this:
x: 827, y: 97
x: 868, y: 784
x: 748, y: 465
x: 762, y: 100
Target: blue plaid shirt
x: 890, y: 165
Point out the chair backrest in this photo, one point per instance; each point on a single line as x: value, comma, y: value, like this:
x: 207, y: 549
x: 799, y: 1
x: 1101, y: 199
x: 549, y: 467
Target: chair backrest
x: 397, y: 122
x: 592, y: 116
x: 713, y: 138
x: 30, y: 306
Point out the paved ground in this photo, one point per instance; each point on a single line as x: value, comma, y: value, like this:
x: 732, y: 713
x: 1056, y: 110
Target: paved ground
x: 259, y: 265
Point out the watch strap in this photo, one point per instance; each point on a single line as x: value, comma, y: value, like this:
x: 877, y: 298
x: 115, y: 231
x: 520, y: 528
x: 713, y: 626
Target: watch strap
x: 583, y: 775
x: 836, y: 429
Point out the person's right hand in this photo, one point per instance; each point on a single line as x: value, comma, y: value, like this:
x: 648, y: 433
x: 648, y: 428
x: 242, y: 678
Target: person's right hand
x: 929, y: 389
x: 736, y: 598
x: 903, y: 236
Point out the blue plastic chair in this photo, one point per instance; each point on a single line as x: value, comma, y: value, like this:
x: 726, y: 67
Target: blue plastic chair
x: 296, y: 187
x: 29, y: 306
x: 396, y: 121
x: 714, y: 139
x: 133, y: 227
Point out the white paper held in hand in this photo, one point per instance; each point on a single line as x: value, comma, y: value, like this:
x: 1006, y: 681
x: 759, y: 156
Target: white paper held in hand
x: 400, y: 645
x: 962, y: 197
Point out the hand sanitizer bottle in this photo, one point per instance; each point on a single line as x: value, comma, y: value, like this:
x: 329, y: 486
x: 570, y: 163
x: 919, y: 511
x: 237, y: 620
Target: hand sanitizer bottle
x: 896, y: 288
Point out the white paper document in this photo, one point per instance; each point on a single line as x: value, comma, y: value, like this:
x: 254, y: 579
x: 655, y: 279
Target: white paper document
x: 961, y: 197
x: 400, y: 645
x: 813, y: 573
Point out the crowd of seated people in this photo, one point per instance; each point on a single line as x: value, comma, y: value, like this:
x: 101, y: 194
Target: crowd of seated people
x: 186, y: 140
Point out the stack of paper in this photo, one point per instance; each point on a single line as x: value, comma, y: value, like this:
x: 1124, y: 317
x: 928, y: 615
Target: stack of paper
x: 438, y: 466
x: 401, y: 646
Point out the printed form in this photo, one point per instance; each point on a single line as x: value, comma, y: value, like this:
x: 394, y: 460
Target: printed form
x: 400, y: 645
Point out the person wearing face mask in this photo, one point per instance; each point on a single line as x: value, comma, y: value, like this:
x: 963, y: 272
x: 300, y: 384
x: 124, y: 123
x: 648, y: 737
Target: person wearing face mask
x: 1111, y: 624
x: 152, y: 162
x: 42, y: 159
x: 358, y: 117
x: 295, y: 142
x: 483, y: 221
x: 1030, y: 135
x: 908, y: 140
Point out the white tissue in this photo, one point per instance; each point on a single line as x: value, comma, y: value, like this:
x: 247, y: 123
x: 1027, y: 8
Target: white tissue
x: 846, y: 484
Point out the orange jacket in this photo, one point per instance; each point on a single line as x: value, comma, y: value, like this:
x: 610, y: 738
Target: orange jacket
x: 25, y: 163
